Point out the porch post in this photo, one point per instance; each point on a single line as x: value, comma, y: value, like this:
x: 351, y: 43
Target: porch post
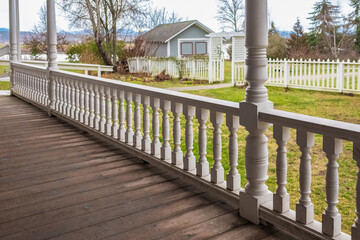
x: 256, y: 152
x: 52, y: 52
x: 12, y: 26
x: 51, y: 34
x: 18, y: 31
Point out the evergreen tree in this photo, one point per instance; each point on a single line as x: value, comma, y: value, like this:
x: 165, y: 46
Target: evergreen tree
x: 297, y: 45
x: 325, y: 21
x: 355, y: 15
x: 277, y: 44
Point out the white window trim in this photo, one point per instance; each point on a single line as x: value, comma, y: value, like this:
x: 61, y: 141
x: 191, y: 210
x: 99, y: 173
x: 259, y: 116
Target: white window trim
x: 191, y: 39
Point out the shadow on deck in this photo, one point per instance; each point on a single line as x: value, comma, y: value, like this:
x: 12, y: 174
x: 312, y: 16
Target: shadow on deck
x: 59, y: 182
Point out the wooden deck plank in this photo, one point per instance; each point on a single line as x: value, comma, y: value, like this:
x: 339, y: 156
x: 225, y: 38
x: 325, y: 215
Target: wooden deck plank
x: 59, y: 182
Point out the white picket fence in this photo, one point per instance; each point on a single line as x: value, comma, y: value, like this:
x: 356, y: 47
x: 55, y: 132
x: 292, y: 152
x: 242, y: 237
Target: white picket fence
x: 321, y: 75
x: 191, y: 68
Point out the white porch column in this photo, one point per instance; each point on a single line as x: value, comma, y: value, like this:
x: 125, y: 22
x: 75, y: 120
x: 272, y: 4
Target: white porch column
x: 52, y: 51
x: 13, y: 27
x: 51, y: 34
x: 256, y: 152
x: 18, y: 30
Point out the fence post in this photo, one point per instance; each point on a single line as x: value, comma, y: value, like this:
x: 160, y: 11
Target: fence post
x: 137, y: 65
x: 287, y: 73
x: 99, y: 71
x: 193, y: 69
x: 340, y: 76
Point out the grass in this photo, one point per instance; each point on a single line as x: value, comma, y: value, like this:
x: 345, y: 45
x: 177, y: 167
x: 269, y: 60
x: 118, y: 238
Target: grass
x: 142, y: 79
x: 327, y: 105
x: 4, y: 85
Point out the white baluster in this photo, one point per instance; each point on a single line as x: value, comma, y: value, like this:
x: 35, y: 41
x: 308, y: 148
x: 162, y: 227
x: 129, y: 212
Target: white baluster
x: 233, y: 179
x: 355, y: 230
x: 92, y: 105
x: 82, y: 101
x: 305, y: 208
x: 129, y: 135
x: 146, y: 141
x: 102, y: 109
x: 165, y: 148
x: 87, y: 103
x: 331, y: 219
x: 108, y: 111
x: 155, y: 145
x: 177, y: 154
x: 189, y: 161
x: 137, y: 121
x: 61, y: 95
x: 73, y: 99
x: 64, y: 111
x: 281, y: 198
x: 77, y: 96
x: 115, y: 114
x: 202, y: 166
x: 122, y: 129
x: 217, y: 171
x: 69, y: 95
x: 97, y: 108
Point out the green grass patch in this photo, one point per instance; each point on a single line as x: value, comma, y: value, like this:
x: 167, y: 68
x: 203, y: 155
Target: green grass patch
x: 4, y: 85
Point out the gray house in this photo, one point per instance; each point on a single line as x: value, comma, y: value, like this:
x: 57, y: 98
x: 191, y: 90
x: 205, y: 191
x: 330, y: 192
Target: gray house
x: 179, y: 39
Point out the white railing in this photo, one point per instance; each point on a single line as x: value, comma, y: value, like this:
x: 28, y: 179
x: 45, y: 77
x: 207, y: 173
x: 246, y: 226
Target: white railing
x: 68, y: 66
x: 120, y: 112
x: 190, y: 68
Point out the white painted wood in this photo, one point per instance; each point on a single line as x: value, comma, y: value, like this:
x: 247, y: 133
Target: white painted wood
x: 122, y: 129
x: 51, y: 34
x: 73, y: 98
x: 304, y: 207
x: 233, y: 179
x: 165, y: 148
x: 129, y: 134
x: 87, y: 104
x: 217, y: 170
x: 92, y: 106
x: 189, y: 160
x: 177, y: 154
x: 331, y: 218
x: 97, y: 107
x: 108, y: 124
x: 115, y: 113
x: 281, y: 199
x: 146, y: 141
x: 155, y: 145
x: 12, y: 31
x: 102, y: 110
x: 202, y: 166
x: 137, y: 120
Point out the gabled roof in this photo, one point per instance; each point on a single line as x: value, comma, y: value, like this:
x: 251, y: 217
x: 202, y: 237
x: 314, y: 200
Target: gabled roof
x: 165, y: 32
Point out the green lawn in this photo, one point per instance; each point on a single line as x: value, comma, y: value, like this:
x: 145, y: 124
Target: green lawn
x: 4, y: 85
x: 321, y: 104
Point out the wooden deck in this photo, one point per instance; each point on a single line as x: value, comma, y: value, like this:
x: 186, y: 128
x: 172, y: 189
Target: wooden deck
x: 59, y: 182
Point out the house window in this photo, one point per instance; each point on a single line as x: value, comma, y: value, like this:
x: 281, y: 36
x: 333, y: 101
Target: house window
x: 201, y: 48
x: 186, y: 48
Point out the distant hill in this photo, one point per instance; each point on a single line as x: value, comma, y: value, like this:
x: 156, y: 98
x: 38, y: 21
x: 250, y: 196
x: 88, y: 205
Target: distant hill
x: 284, y: 34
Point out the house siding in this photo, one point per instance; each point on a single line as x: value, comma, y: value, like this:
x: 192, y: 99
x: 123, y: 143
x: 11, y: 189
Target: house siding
x: 192, y: 32
x: 162, y: 50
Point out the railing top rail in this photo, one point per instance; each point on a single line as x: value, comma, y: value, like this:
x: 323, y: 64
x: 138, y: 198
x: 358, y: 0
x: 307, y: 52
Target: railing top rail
x: 178, y: 97
x: 28, y: 66
x: 331, y: 128
x: 103, y: 67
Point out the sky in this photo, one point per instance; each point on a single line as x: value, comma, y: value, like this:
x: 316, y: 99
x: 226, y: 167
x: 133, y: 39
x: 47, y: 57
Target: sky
x: 282, y: 12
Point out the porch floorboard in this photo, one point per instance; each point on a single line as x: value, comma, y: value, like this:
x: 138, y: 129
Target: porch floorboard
x: 59, y: 182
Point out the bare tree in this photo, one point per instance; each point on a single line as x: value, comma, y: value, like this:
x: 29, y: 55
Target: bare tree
x: 231, y: 14
x: 103, y: 18
x: 161, y: 16
x: 36, y: 41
